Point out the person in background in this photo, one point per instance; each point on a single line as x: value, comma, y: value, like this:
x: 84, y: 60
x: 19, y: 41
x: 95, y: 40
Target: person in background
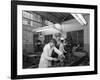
x: 61, y: 48
x: 68, y: 48
x: 39, y: 46
x: 46, y: 59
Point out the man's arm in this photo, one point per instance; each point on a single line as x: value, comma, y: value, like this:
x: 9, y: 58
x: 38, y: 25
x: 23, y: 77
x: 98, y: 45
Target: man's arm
x: 57, y: 51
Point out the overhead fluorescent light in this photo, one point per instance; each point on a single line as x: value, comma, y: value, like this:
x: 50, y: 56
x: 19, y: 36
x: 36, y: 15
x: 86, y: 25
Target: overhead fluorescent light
x: 58, y: 27
x: 82, y: 18
x: 42, y: 30
x: 79, y: 18
x: 53, y: 27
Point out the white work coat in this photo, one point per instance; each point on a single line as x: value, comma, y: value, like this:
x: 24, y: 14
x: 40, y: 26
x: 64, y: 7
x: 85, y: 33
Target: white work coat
x: 45, y: 60
x: 61, y: 47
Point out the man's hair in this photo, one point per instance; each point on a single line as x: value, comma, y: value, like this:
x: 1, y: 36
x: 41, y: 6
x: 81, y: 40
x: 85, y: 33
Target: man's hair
x: 53, y: 41
x: 62, y: 41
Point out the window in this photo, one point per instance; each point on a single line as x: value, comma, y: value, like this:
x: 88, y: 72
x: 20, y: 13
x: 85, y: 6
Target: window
x: 48, y: 38
x: 76, y: 37
x: 25, y: 22
x: 32, y: 20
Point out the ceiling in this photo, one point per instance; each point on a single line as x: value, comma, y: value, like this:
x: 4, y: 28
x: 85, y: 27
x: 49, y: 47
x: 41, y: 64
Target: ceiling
x: 55, y: 17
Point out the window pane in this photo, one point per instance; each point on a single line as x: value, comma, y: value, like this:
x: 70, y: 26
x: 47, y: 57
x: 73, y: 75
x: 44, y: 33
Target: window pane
x: 31, y: 23
x: 74, y: 36
x: 25, y: 22
x: 26, y: 15
x: 31, y: 16
x: 81, y: 37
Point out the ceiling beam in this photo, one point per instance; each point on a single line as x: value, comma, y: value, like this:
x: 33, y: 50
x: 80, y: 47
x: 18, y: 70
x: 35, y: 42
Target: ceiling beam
x: 48, y: 17
x: 54, y: 14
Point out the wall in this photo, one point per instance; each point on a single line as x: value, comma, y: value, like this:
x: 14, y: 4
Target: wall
x: 86, y: 34
x: 28, y: 41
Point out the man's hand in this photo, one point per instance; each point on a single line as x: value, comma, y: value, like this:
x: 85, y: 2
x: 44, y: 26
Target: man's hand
x: 55, y: 59
x: 61, y: 57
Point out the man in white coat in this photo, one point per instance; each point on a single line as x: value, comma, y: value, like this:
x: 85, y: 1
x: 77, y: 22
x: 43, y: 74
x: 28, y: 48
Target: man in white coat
x: 46, y: 59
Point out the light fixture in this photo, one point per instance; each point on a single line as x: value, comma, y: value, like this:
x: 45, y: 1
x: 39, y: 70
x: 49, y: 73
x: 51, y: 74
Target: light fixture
x: 50, y: 27
x: 82, y: 18
x: 79, y: 18
x: 57, y: 25
x: 42, y: 30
